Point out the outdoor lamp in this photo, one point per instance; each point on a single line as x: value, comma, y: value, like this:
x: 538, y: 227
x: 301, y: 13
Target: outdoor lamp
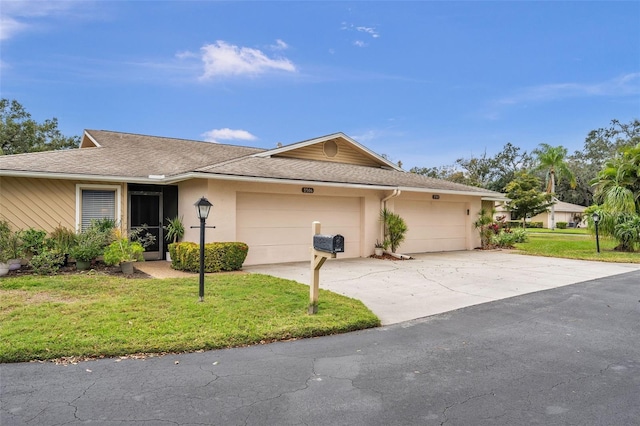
x: 596, y: 218
x: 203, y: 206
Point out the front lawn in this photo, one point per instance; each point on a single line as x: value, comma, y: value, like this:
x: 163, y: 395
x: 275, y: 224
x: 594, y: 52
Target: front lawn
x: 574, y: 231
x: 100, y: 315
x: 568, y: 246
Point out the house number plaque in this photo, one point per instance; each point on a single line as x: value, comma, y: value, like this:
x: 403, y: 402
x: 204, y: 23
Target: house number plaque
x: 307, y: 190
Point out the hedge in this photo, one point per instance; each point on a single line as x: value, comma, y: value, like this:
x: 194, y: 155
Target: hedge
x: 561, y: 225
x: 518, y: 224
x: 218, y: 257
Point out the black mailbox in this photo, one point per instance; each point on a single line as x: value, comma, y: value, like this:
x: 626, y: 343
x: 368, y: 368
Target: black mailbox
x: 329, y: 243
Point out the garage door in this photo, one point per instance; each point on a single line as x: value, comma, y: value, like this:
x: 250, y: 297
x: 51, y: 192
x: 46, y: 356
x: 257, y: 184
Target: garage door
x: 433, y: 225
x: 277, y: 228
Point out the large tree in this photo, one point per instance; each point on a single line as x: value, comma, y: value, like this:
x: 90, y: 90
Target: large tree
x: 552, y: 160
x: 19, y: 133
x: 525, y: 197
x: 600, y: 145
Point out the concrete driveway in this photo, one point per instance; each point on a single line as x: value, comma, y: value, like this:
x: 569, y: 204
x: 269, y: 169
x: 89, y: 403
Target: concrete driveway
x: 433, y: 283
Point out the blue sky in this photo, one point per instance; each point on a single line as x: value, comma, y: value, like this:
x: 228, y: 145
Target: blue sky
x: 422, y: 82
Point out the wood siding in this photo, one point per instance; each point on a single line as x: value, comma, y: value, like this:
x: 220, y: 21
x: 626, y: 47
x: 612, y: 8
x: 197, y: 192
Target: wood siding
x: 346, y: 154
x: 41, y: 203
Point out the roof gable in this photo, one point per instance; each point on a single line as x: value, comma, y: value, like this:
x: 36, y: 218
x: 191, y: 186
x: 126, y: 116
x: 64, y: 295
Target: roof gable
x: 334, y: 148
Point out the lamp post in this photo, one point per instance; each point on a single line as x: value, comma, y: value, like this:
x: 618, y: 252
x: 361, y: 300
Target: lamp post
x: 596, y: 219
x: 203, y: 206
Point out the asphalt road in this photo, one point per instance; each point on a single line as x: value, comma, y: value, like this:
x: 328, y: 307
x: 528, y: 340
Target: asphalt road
x: 565, y: 356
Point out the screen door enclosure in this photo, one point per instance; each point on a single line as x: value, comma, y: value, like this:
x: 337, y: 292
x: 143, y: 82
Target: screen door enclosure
x: 145, y: 210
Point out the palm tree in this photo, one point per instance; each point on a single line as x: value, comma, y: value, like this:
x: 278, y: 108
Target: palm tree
x: 552, y: 160
x: 618, y: 195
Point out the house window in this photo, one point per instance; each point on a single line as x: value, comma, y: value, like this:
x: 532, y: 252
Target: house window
x: 94, y: 202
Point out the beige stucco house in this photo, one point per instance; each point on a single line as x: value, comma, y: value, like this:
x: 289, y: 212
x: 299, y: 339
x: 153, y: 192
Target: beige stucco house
x: 572, y: 214
x: 265, y: 198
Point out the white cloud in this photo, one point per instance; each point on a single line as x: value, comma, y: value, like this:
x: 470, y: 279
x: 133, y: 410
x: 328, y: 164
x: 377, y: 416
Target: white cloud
x: 227, y: 134
x: 359, y: 43
x: 628, y: 84
x: 21, y: 16
x: 368, y: 30
x: 624, y: 85
x: 280, y: 45
x: 9, y: 27
x: 222, y: 59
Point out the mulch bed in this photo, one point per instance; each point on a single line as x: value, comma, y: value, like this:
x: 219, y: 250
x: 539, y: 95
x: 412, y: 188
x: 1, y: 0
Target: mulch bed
x: 386, y: 256
x: 97, y: 268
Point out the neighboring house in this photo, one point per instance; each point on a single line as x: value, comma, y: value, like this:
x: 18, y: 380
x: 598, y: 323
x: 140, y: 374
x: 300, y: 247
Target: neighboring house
x: 265, y: 198
x: 572, y: 214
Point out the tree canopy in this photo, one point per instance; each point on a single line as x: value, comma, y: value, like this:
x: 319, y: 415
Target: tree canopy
x: 19, y: 133
x: 495, y: 172
x: 492, y: 173
x: 525, y: 197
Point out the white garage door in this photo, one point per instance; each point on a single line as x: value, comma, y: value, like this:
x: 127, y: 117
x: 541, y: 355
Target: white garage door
x: 433, y: 226
x: 277, y: 228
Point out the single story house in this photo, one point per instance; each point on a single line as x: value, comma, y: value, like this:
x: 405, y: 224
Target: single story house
x: 267, y: 198
x: 572, y: 214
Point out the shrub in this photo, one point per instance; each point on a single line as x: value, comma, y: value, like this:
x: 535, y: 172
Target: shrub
x: 534, y: 225
x: 520, y: 236
x: 395, y: 229
x: 228, y: 256
x: 507, y: 238
x: 90, y: 244
x: 62, y: 239
x: 628, y: 233
x: 123, y: 250
x: 561, y: 225
x: 5, y: 235
x: 33, y: 240
x: 47, y: 262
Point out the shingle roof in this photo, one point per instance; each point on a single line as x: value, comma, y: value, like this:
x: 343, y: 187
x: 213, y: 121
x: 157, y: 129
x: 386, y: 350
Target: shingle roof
x: 568, y: 207
x: 127, y: 155
x: 132, y: 156
x: 322, y: 171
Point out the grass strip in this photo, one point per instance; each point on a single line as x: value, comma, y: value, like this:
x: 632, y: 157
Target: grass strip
x: 575, y: 247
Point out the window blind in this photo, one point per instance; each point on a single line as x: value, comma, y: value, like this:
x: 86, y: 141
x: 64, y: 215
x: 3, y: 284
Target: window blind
x: 97, y: 204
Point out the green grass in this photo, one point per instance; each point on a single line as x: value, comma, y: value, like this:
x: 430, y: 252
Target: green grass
x: 572, y: 231
x: 90, y: 316
x: 574, y: 247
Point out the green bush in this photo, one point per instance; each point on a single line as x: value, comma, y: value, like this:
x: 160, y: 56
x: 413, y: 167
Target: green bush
x: 506, y: 239
x: 89, y: 245
x: 33, y: 240
x: 217, y: 256
x: 534, y: 225
x: 62, y: 239
x: 561, y: 225
x: 123, y: 250
x: 47, y: 262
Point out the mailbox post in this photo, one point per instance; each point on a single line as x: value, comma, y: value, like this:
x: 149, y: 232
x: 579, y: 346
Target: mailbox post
x: 324, y: 247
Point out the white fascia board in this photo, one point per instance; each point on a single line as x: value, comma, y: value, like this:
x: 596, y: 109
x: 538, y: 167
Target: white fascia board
x: 91, y: 138
x: 81, y: 177
x: 495, y: 198
x: 296, y: 145
x: 330, y: 184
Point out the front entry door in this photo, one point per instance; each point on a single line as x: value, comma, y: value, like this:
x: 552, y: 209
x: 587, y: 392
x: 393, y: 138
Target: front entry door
x: 145, y: 210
